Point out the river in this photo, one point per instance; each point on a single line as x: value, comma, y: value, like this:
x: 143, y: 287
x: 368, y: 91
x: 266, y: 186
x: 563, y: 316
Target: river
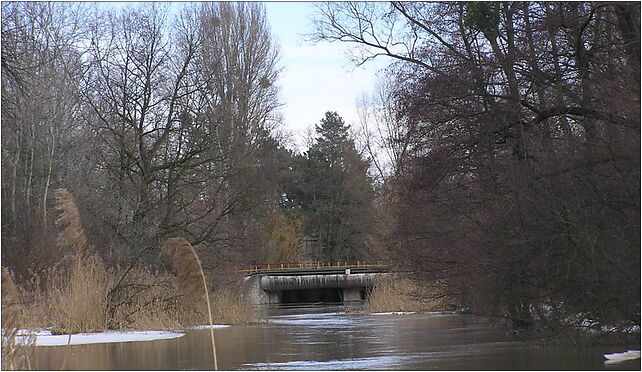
x: 335, y: 337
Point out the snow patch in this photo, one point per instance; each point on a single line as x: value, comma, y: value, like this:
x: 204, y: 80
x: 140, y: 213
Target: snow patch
x: 395, y: 313
x: 631, y: 328
x: 29, y: 332
x: 368, y: 363
x: 310, y: 315
x: 45, y: 338
x: 621, y: 357
x: 323, y: 323
x: 207, y: 326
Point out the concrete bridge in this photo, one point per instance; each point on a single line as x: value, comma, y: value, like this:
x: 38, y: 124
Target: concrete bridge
x: 310, y: 281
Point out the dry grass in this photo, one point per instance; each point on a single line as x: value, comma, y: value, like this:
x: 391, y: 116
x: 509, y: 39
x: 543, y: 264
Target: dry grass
x: 146, y: 300
x: 79, y: 294
x: 83, y: 299
x: 14, y: 356
x: 72, y: 236
x: 74, y: 297
x: 10, y: 298
x: 229, y: 308
x: 397, y: 293
x: 188, y: 269
x: 187, y: 265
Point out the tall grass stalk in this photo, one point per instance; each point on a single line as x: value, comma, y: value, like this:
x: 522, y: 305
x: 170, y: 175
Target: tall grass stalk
x: 14, y: 354
x: 67, y: 349
x: 82, y: 288
x: 10, y: 297
x: 188, y: 267
x: 72, y: 236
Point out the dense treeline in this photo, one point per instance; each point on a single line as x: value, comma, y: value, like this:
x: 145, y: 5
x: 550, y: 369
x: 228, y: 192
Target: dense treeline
x: 163, y: 121
x: 516, y: 156
x: 503, y: 146
x: 142, y: 116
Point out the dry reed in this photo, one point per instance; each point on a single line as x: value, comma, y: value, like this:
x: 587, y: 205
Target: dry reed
x: 81, y: 289
x: 14, y: 355
x: 72, y: 237
x: 83, y: 299
x: 229, y: 308
x: 74, y: 297
x: 146, y: 300
x: 10, y: 297
x: 397, y: 293
x: 75, y: 292
x: 188, y: 268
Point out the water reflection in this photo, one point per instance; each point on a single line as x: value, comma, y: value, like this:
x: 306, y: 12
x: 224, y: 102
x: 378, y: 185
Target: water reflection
x: 335, y: 337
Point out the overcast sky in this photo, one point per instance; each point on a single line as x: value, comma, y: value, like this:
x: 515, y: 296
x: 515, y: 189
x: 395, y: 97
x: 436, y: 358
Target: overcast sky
x: 317, y: 77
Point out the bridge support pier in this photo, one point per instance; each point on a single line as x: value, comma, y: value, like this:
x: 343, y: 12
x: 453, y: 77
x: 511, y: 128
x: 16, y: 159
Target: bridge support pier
x: 274, y: 297
x: 351, y: 294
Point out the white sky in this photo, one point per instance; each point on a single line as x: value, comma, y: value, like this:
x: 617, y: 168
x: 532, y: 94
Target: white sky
x: 317, y: 77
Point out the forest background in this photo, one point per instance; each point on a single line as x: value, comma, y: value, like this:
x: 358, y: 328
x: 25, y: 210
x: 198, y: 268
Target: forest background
x: 498, y: 161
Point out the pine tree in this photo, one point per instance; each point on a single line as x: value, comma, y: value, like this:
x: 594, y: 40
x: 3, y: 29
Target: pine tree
x: 335, y: 193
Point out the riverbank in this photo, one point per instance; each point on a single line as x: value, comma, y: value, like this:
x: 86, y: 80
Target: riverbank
x: 401, y: 295
x: 80, y: 295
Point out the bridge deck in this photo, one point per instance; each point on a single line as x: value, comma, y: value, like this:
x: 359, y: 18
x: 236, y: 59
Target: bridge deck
x: 306, y: 268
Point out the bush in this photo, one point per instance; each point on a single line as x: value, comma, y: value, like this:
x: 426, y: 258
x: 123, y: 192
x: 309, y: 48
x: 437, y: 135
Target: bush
x: 398, y: 293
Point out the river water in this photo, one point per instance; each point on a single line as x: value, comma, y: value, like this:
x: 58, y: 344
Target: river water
x: 335, y: 337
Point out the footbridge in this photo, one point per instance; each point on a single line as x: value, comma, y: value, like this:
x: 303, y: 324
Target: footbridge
x: 318, y: 281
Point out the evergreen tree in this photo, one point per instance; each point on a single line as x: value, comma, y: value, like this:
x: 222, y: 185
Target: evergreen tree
x: 334, y: 191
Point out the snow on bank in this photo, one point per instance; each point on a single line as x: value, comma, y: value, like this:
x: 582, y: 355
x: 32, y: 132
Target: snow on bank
x: 582, y: 321
x: 621, y: 357
x: 45, y: 338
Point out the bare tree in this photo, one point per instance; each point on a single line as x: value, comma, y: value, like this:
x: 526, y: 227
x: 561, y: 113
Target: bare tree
x: 523, y: 122
x: 384, y: 138
x: 182, y: 117
x: 41, y: 65
x: 238, y: 66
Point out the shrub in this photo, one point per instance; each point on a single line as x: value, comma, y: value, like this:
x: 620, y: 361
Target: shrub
x: 397, y: 293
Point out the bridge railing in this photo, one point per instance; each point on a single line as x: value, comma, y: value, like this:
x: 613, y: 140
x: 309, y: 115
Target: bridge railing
x: 310, y: 265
